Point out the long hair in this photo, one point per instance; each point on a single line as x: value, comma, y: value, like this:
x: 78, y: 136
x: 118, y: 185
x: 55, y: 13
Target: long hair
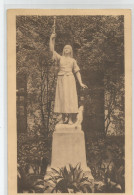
x: 71, y: 51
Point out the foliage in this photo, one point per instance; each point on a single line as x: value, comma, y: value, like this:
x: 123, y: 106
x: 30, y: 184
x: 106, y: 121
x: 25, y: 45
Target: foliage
x: 114, y: 105
x: 33, y: 152
x: 34, y: 60
x: 70, y: 180
x: 106, y: 160
x: 107, y: 187
x: 30, y: 183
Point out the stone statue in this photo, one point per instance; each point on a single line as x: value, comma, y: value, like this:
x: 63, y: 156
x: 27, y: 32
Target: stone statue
x: 66, y: 99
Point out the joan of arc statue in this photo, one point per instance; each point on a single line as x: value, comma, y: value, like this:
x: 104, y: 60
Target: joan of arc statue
x: 66, y: 99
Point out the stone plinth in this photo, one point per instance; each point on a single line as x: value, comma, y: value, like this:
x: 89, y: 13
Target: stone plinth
x: 68, y: 146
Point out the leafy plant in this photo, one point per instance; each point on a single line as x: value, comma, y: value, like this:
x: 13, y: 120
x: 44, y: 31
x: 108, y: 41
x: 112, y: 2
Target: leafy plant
x: 31, y: 183
x: 33, y: 150
x: 70, y: 180
x: 106, y: 160
x: 107, y: 187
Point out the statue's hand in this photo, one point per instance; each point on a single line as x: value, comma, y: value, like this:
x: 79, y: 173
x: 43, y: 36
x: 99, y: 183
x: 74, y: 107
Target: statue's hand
x: 53, y: 36
x: 83, y: 86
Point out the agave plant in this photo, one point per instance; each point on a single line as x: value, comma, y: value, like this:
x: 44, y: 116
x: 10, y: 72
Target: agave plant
x: 70, y: 179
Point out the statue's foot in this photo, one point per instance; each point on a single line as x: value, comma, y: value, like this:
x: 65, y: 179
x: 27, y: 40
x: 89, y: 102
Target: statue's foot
x: 61, y: 122
x: 70, y: 122
x: 66, y: 121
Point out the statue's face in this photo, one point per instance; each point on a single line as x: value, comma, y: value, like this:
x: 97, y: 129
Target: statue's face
x: 67, y: 49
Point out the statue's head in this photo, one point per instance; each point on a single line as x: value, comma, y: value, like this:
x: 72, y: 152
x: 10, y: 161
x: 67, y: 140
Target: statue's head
x: 67, y: 50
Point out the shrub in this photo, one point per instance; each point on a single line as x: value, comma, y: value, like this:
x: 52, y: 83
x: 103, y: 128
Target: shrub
x: 70, y: 180
x: 30, y: 183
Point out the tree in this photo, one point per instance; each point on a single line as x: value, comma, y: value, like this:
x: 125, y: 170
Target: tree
x: 114, y: 105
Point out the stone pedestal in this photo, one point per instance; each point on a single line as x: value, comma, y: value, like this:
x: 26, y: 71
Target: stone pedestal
x: 68, y: 147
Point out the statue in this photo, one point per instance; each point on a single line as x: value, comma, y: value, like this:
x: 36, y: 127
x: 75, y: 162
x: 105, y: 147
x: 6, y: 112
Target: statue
x: 66, y: 99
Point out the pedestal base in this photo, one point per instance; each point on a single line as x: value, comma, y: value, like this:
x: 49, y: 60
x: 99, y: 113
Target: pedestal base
x: 68, y: 147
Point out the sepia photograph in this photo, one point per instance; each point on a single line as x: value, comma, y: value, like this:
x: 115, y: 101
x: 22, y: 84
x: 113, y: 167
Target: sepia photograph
x: 69, y: 101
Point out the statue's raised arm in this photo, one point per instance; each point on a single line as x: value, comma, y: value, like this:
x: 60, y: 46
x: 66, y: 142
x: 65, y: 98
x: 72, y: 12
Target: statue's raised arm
x: 55, y: 55
x: 52, y: 42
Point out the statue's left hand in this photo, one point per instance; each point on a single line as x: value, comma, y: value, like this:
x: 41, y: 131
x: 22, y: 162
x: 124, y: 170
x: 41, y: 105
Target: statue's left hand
x: 83, y: 86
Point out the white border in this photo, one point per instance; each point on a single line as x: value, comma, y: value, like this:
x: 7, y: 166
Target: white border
x: 3, y: 122
x: 76, y: 2
x: 40, y: 4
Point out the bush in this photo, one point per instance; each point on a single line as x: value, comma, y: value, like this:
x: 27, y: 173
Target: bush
x: 30, y: 183
x: 106, y: 159
x: 33, y: 152
x: 69, y: 180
